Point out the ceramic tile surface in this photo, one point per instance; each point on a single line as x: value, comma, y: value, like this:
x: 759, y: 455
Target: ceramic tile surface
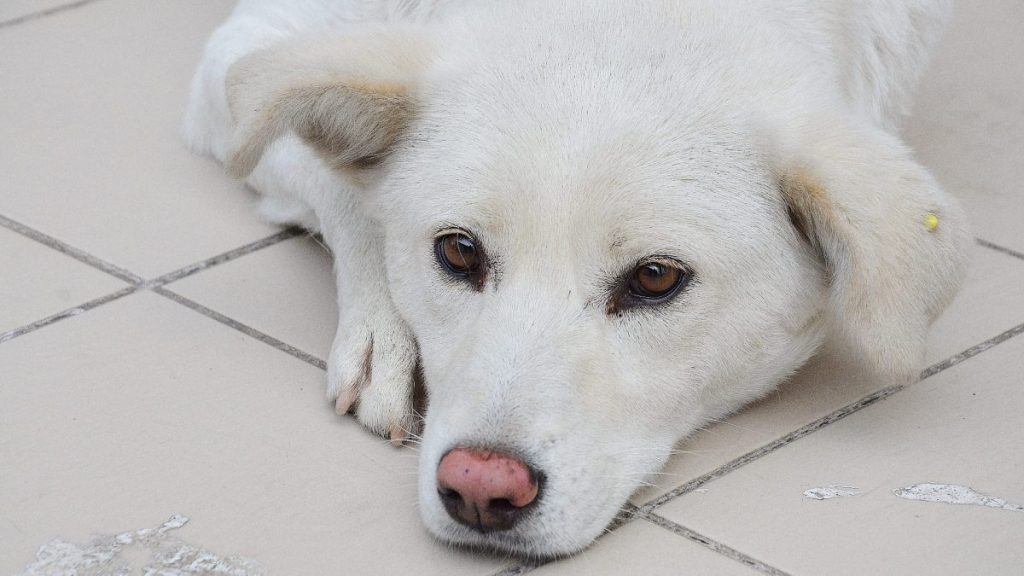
x: 92, y: 154
x: 12, y: 11
x: 643, y: 548
x: 118, y: 420
x: 39, y: 281
x: 959, y: 429
x: 286, y: 290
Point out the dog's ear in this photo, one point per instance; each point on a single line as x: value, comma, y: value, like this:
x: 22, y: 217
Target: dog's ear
x: 349, y: 97
x: 892, y: 241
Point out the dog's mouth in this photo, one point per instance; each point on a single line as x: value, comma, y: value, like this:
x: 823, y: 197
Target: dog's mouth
x: 534, y: 538
x: 520, y: 542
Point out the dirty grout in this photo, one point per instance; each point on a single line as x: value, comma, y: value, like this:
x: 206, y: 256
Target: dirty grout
x: 44, y: 13
x: 712, y: 545
x: 998, y: 248
x: 243, y: 328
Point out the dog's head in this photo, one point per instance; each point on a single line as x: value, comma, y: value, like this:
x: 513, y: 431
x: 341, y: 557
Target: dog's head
x: 602, y: 244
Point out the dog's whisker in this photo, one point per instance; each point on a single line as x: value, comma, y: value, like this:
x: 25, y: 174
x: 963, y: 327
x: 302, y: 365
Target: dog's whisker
x: 730, y: 423
x: 670, y: 474
x: 315, y: 237
x: 411, y: 446
x: 630, y: 481
x: 645, y: 451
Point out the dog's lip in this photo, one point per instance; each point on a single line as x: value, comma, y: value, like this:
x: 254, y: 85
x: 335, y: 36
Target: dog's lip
x: 501, y: 543
x: 527, y: 540
x: 508, y: 542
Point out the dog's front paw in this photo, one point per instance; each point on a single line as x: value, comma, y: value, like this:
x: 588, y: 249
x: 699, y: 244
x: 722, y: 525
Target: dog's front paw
x: 371, y: 370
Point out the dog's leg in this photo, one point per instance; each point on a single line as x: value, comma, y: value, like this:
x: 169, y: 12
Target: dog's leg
x: 373, y: 358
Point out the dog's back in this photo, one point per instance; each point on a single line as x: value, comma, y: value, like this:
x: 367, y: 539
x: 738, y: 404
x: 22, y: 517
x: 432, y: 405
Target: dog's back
x: 878, y: 47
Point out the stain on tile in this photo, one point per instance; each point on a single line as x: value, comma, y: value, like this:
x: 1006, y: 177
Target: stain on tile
x: 830, y: 492
x: 953, y: 494
x: 113, y: 555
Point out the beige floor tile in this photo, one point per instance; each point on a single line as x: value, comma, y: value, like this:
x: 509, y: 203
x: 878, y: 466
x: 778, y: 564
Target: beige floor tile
x: 643, y: 548
x: 93, y: 100
x: 969, y: 123
x: 286, y: 291
x: 990, y: 302
x: 39, y: 281
x: 961, y: 428
x: 14, y: 9
x: 140, y: 409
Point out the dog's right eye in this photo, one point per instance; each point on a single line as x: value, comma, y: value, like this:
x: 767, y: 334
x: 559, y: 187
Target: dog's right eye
x: 459, y: 255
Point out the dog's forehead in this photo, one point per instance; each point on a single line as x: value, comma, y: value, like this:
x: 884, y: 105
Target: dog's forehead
x: 555, y: 136
x: 675, y: 57
x: 558, y: 171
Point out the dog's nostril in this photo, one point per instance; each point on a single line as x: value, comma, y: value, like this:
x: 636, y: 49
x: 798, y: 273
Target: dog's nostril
x: 449, y: 495
x: 502, y: 505
x: 486, y: 490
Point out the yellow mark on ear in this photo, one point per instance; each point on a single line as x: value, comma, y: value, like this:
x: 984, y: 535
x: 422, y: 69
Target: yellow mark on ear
x: 931, y: 221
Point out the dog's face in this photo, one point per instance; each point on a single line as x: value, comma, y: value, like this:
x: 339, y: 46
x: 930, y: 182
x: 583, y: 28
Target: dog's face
x: 583, y: 297
x: 596, y: 259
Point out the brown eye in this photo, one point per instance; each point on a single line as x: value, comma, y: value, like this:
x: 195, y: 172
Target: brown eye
x: 458, y: 254
x: 656, y: 280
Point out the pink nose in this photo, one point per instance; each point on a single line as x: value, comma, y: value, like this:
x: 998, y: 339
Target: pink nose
x: 485, y: 490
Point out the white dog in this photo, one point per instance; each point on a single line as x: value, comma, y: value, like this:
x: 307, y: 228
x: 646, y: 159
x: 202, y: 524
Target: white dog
x: 594, y: 225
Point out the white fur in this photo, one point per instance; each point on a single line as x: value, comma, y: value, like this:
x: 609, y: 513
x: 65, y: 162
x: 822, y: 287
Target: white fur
x: 574, y: 139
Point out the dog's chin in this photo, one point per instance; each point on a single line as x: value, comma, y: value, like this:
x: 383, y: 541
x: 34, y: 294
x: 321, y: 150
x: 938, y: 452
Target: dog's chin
x: 507, y: 543
x: 534, y: 538
x: 513, y: 542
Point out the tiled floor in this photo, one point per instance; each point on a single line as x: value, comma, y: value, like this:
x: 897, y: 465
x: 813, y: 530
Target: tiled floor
x: 161, y: 350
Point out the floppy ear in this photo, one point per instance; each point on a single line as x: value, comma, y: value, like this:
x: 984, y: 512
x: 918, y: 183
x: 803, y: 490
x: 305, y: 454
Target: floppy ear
x: 893, y: 242
x: 349, y: 97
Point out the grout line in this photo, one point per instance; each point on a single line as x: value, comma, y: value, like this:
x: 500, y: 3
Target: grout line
x: 247, y: 330
x: 824, y: 421
x: 228, y: 256
x: 972, y: 351
x: 627, y: 514
x: 67, y: 249
x: 713, y: 545
x: 44, y: 13
x: 998, y: 248
x: 12, y: 334
x: 137, y: 283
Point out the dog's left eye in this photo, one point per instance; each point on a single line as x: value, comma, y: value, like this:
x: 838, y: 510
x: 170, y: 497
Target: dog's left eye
x: 459, y: 254
x: 651, y: 282
x: 654, y: 280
